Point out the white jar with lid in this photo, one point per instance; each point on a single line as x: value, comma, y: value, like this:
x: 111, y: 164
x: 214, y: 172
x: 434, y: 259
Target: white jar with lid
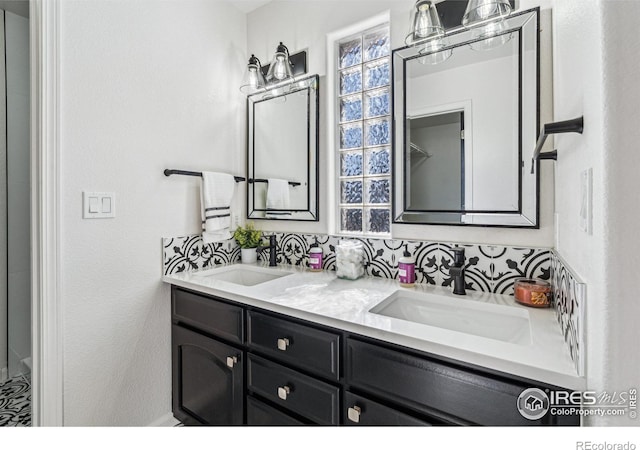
x: 350, y: 260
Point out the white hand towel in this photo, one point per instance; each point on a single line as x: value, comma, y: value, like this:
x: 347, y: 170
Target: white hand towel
x: 216, y: 194
x: 277, y: 194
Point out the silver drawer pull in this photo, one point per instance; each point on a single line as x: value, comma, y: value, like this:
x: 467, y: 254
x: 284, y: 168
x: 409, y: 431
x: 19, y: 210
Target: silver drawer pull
x: 231, y: 361
x: 283, y: 392
x: 283, y: 343
x: 354, y: 414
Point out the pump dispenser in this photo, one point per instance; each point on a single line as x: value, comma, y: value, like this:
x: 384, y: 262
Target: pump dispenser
x: 407, y: 269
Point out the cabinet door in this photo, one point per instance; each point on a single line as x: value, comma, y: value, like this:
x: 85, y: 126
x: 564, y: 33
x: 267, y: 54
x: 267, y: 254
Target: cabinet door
x: 207, y: 380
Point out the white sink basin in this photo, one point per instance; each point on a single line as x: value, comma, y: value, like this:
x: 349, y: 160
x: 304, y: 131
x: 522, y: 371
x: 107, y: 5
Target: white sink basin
x: 502, y: 323
x: 243, y: 275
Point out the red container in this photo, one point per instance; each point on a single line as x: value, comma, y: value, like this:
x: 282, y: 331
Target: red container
x: 533, y: 292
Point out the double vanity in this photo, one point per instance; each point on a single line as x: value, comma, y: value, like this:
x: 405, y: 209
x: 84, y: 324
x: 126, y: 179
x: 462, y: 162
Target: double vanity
x: 258, y: 345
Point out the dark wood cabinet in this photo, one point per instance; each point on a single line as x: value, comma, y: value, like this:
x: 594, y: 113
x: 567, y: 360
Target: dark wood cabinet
x: 261, y: 414
x: 209, y: 315
x: 307, y: 396
x: 359, y: 410
x: 298, y: 372
x: 207, y: 380
x: 432, y: 387
x: 299, y: 345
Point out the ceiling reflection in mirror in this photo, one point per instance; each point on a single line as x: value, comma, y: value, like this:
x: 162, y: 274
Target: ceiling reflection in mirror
x: 465, y: 124
x: 282, y: 152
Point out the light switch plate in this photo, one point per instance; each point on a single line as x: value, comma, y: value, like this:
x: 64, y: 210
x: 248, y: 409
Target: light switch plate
x: 586, y: 213
x: 98, y: 205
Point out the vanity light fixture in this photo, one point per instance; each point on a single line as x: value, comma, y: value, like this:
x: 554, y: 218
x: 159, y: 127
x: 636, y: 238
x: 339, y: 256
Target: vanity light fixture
x: 253, y: 80
x: 427, y: 33
x: 273, y: 78
x: 281, y: 68
x: 481, y: 12
x: 486, y: 18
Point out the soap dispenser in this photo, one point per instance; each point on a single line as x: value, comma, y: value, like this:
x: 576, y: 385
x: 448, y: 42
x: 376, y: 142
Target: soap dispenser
x: 407, y: 269
x: 315, y: 257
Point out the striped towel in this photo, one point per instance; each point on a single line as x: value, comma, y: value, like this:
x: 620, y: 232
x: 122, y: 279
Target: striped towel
x: 215, y: 195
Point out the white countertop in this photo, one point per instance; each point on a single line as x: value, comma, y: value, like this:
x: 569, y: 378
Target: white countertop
x: 323, y: 298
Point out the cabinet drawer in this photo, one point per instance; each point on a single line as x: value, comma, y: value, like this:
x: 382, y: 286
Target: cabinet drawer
x: 206, y: 314
x: 261, y: 414
x: 306, y: 347
x: 311, y: 398
x: 427, y: 385
x: 361, y: 411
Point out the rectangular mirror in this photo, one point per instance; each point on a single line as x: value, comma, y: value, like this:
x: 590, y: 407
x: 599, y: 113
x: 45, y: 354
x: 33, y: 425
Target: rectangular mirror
x: 282, y: 152
x: 464, y: 128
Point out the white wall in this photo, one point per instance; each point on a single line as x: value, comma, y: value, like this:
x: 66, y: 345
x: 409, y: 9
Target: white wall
x: 314, y: 19
x: 596, y: 74
x: 145, y: 85
x: 18, y: 191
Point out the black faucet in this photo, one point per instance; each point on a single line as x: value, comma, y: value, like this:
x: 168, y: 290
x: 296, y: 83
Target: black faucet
x: 272, y: 250
x: 457, y: 271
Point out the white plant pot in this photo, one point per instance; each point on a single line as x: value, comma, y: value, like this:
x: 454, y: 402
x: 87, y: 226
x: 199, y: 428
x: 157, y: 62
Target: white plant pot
x: 248, y: 255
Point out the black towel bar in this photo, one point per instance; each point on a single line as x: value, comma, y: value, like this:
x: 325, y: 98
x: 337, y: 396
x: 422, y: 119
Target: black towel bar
x: 262, y: 180
x: 169, y: 172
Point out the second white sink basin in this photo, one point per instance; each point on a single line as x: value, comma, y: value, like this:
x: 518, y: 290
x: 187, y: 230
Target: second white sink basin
x: 243, y: 275
x: 499, y: 322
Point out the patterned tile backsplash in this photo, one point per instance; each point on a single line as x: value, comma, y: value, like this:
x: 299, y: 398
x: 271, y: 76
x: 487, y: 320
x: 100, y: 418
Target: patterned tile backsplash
x: 489, y: 268
x: 569, y: 297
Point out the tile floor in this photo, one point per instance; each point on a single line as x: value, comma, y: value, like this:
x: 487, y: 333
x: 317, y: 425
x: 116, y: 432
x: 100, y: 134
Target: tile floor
x: 15, y: 402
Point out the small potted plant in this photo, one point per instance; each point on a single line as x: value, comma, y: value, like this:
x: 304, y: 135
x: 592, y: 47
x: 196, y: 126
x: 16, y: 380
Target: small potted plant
x: 248, y: 238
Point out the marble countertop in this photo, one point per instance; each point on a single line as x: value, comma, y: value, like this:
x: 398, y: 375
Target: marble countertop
x: 323, y: 298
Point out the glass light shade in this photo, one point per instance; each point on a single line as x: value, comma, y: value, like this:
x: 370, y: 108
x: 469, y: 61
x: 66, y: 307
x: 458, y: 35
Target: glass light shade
x: 280, y: 68
x: 425, y: 23
x: 482, y: 11
x: 432, y: 52
x: 253, y: 80
x: 493, y: 35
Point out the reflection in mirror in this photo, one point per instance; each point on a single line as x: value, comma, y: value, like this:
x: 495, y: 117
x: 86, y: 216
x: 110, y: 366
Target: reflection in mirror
x: 282, y: 153
x: 463, y: 128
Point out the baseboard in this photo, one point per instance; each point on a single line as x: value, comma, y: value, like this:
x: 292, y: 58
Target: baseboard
x: 165, y: 421
x: 4, y: 374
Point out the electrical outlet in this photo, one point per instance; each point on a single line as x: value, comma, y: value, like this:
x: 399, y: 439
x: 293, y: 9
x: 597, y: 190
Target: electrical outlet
x: 586, y: 187
x: 235, y: 220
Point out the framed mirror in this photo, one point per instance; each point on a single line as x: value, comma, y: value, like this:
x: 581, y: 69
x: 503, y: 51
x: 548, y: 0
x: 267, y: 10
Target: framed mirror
x: 466, y: 128
x: 282, y: 152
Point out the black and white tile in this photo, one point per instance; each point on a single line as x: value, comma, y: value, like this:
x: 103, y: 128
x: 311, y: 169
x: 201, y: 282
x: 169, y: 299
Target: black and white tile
x: 489, y: 268
x: 15, y: 402
x: 569, y: 295
x: 190, y: 253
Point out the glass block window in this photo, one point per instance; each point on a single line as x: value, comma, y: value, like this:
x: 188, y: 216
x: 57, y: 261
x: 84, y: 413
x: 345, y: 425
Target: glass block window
x: 364, y: 133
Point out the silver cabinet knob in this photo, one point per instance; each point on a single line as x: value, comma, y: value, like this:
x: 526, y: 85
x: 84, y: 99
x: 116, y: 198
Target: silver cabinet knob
x: 354, y: 414
x: 283, y: 391
x: 283, y: 343
x: 231, y: 361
